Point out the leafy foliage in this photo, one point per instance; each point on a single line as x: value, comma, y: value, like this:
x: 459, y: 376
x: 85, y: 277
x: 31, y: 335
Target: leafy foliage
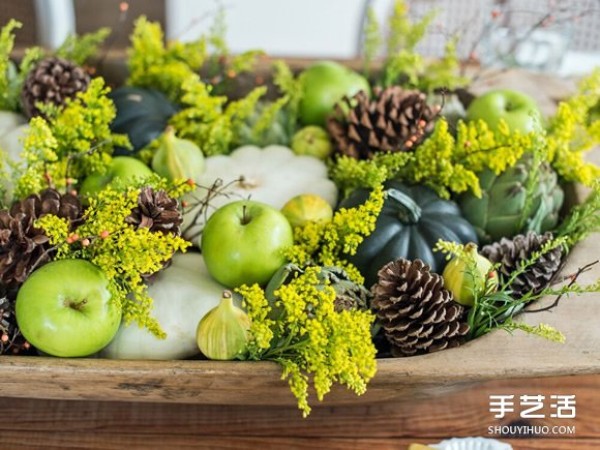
x: 372, y: 42
x: 166, y: 68
x: 495, y: 308
x: 74, y: 142
x: 207, y: 120
x: 80, y: 48
x: 583, y: 219
x: 121, y: 251
x: 573, y: 132
x: 309, y: 339
x: 328, y: 244
x: 290, y: 87
x: 445, y: 163
x: 11, y: 79
x: 221, y: 65
x: 403, y: 64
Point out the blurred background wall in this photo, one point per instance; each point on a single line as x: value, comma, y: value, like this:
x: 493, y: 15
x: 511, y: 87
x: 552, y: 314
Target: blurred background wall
x: 312, y: 28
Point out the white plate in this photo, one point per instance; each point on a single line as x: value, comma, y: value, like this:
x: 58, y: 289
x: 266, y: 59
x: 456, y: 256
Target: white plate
x: 472, y: 444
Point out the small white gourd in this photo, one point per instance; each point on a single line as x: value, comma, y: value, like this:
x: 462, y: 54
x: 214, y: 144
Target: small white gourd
x: 272, y: 175
x: 183, y: 293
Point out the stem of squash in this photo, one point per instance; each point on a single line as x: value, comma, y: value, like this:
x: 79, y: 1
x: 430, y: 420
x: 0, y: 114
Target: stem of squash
x: 410, y: 212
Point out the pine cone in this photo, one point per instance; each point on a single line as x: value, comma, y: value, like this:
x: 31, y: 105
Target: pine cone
x: 417, y: 313
x: 511, y: 252
x: 22, y: 246
x: 53, y: 80
x: 395, y: 120
x: 11, y: 340
x: 156, y: 211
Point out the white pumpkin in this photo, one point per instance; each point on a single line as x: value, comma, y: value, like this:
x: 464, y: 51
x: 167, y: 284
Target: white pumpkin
x: 11, y: 142
x: 272, y: 175
x: 13, y: 128
x: 10, y: 120
x: 183, y: 293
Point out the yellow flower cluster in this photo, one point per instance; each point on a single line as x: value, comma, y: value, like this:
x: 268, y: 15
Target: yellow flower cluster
x: 206, y: 120
x: 309, y: 339
x: 445, y: 163
x: 74, y: 142
x: 152, y: 65
x: 121, y: 251
x: 329, y: 244
x: 573, y: 132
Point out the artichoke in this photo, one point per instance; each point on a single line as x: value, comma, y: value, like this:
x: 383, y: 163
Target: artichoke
x: 349, y: 295
x: 506, y: 208
x: 277, y: 133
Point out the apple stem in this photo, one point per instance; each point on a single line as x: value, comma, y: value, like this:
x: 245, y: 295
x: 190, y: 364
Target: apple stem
x: 75, y: 304
x: 245, y: 218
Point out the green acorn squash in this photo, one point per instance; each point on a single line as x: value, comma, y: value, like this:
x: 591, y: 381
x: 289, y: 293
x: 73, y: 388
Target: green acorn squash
x: 412, y: 220
x: 142, y: 114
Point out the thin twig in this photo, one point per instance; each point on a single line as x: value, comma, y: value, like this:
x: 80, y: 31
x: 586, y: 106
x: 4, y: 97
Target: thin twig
x: 573, y: 277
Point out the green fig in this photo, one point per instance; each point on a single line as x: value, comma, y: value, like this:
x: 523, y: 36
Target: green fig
x: 222, y: 333
x: 466, y: 276
x: 177, y: 158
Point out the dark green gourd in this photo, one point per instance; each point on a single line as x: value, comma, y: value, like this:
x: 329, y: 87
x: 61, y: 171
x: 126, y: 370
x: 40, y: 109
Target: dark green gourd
x: 142, y: 114
x: 412, y: 220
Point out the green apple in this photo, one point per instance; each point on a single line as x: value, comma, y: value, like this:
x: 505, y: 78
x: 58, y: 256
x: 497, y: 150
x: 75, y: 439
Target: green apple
x: 324, y: 84
x: 520, y: 111
x: 65, y: 309
x: 243, y: 243
x: 124, y: 169
x: 312, y: 141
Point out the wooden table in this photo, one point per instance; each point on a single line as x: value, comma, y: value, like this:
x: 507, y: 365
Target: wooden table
x: 113, y: 404
x: 32, y: 423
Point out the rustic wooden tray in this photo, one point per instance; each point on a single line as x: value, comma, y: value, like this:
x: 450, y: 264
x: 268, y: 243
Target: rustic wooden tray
x: 495, y: 356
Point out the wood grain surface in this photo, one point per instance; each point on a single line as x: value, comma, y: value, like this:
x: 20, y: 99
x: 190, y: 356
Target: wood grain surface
x: 32, y: 423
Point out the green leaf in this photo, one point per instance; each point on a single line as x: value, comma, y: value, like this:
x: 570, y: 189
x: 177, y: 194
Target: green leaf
x: 372, y: 41
x: 80, y: 48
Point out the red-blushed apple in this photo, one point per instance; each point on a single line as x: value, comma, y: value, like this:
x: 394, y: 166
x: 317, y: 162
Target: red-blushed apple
x: 244, y: 243
x: 519, y: 111
x: 124, y: 169
x: 65, y: 309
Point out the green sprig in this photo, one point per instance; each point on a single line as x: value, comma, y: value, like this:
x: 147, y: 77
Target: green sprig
x: 11, y: 79
x: 495, y: 307
x: 583, y: 219
x: 81, y: 48
x: 205, y: 120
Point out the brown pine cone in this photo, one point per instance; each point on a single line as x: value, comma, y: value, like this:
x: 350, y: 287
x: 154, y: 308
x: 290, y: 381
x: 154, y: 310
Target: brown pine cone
x: 12, y: 341
x: 396, y: 120
x: 156, y: 211
x: 510, y: 253
x: 24, y: 247
x: 53, y: 80
x: 416, y: 312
